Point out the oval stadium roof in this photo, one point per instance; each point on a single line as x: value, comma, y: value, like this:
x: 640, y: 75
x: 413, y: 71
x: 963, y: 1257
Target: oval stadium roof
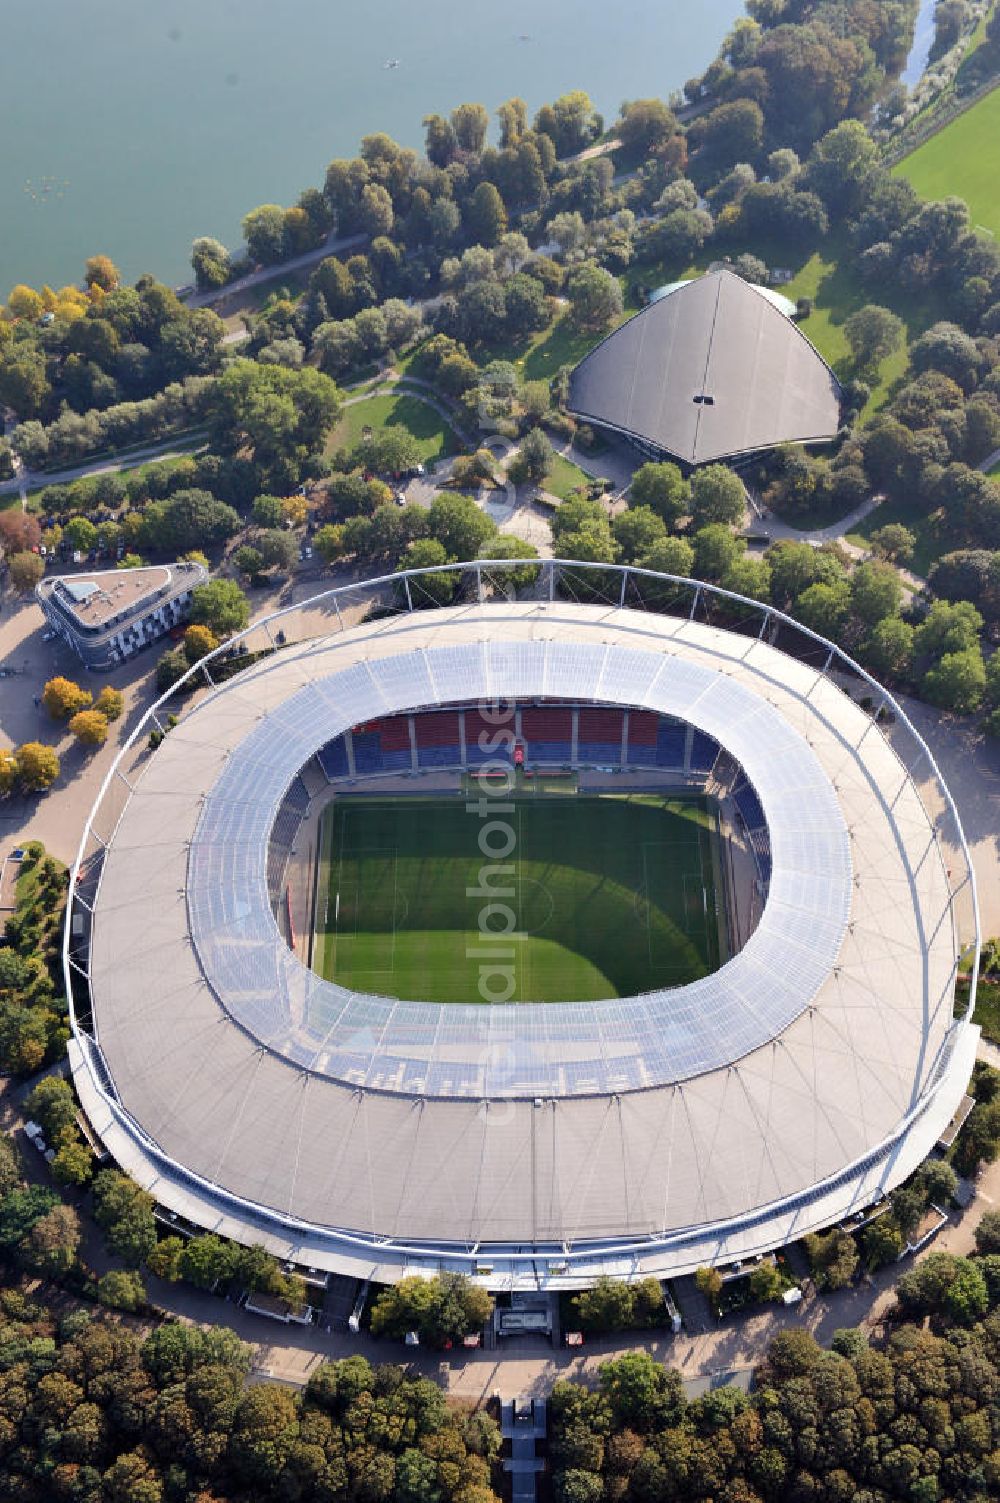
x: 792, y: 1089
x: 710, y: 371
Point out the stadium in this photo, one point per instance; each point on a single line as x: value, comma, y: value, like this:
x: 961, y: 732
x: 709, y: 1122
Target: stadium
x: 614, y: 929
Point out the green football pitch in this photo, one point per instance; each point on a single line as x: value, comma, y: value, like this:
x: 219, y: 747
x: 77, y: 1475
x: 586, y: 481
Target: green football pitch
x: 608, y: 896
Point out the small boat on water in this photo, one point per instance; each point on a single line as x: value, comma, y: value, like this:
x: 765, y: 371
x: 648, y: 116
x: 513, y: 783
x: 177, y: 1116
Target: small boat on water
x: 393, y: 62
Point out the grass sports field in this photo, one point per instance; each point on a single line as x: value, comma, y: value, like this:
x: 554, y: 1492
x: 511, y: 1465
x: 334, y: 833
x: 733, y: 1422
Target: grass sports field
x: 963, y: 159
x: 612, y: 895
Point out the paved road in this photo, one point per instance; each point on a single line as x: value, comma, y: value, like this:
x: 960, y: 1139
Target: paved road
x: 330, y: 247
x: 169, y: 448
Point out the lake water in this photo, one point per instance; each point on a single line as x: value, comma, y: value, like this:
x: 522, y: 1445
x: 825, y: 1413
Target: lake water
x: 923, y: 41
x: 131, y: 126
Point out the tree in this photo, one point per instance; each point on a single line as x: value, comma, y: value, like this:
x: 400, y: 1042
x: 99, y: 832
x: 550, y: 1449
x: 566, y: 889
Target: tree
x: 595, y: 298
x: 518, y: 577
x: 63, y: 698
x: 51, y: 1244
x: 486, y: 217
x: 199, y: 641
x: 89, y: 727
x: 207, y: 1261
x: 662, y: 487
x: 881, y: 1242
x: 527, y: 310
x: 53, y: 1105
x: 460, y: 525
x: 277, y: 550
x: 388, y: 451
x: 608, y: 1305
x: 101, y: 271
x: 840, y: 167
x: 268, y: 511
x: 442, y: 1309
x: 641, y: 1393
x: 873, y: 333
x: 669, y: 556
x: 833, y: 1258
x: 894, y: 542
x: 375, y: 210
x: 715, y: 550
x: 470, y: 123
x: 637, y: 531
x: 709, y: 1282
x: 577, y: 1486
x: 126, y: 1213
x: 987, y: 1233
x: 823, y: 607
x: 947, y: 348
x: 264, y: 233
x: 121, y: 1289
x: 164, y: 1261
x: 750, y: 577
x: 429, y: 589
x: 73, y: 1163
x: 248, y: 560
x: 80, y: 533
x: 20, y: 1209
x: 766, y: 1282
x: 25, y: 570
x: 732, y: 132
x: 110, y: 702
x: 19, y: 531
x: 221, y: 606
x: 570, y: 122
x: 957, y: 681
x: 875, y: 593
x: 533, y: 460
x: 278, y: 417
x: 889, y: 649
x: 717, y: 495
x: 645, y: 123
x: 37, y: 767
x: 939, y: 1183
x: 948, y: 628
x: 264, y: 1430
x: 190, y: 518
x: 24, y: 302
x: 211, y: 263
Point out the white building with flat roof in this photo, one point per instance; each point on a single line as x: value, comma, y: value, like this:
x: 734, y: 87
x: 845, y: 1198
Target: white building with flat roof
x: 111, y: 614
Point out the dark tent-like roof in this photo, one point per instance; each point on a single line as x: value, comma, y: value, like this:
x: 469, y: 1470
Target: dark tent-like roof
x: 709, y: 372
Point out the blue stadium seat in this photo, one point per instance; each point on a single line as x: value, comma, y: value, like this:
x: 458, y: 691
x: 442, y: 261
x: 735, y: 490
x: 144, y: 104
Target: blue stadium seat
x: 367, y: 752
x: 703, y: 752
x: 333, y: 759
x: 439, y: 756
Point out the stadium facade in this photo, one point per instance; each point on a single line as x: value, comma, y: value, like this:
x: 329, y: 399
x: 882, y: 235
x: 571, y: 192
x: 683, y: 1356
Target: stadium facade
x: 711, y: 370
x: 524, y: 1144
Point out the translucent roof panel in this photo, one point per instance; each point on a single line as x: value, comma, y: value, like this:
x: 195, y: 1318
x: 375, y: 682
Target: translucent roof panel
x: 514, y: 1050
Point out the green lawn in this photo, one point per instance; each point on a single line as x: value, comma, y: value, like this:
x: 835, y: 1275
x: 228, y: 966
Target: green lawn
x: 963, y: 159
x: 435, y: 438
x: 929, y: 545
x: 612, y: 896
x: 564, y: 478
x: 836, y: 292
x: 995, y: 472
